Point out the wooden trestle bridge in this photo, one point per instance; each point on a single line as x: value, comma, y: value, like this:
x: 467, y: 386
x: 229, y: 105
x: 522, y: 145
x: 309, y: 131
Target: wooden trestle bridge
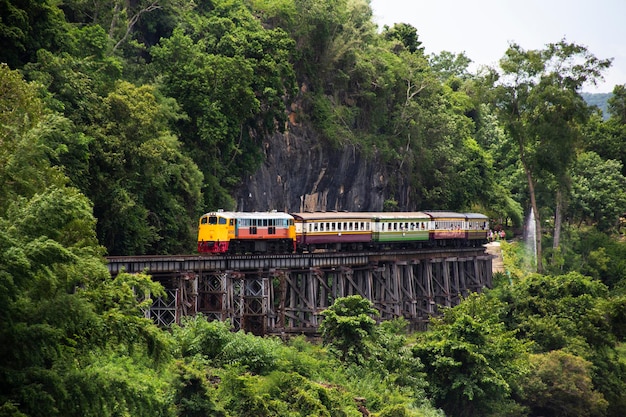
x: 285, y: 294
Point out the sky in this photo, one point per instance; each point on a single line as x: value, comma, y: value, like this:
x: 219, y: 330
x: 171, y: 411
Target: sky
x: 483, y: 29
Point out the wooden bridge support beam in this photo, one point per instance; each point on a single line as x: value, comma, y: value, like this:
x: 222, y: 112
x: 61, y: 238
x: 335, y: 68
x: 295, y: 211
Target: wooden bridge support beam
x: 271, y: 300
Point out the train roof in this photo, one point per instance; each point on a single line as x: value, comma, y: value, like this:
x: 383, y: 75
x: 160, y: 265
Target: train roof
x: 476, y: 216
x: 356, y: 215
x: 332, y: 215
x: 393, y: 215
x: 445, y: 215
x: 250, y: 215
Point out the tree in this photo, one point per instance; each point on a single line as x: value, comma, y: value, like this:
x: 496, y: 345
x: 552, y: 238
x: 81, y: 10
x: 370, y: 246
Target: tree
x: 450, y: 66
x: 406, y: 34
x: 231, y: 77
x: 607, y: 138
x: 348, y: 327
x: 560, y: 384
x: 471, y: 361
x: 598, y: 191
x: 28, y: 131
x: 146, y: 191
x: 542, y: 110
x: 75, y: 339
x: 28, y: 26
x: 571, y: 313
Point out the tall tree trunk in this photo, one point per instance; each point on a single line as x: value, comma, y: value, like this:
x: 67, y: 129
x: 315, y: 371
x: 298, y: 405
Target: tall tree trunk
x: 533, y: 203
x: 558, y: 218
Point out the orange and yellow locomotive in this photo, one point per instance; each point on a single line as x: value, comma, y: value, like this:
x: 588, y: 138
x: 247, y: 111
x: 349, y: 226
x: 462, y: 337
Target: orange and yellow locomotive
x: 237, y: 232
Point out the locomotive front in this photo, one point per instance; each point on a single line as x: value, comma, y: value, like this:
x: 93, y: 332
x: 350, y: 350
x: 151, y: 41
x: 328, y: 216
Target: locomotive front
x: 238, y: 232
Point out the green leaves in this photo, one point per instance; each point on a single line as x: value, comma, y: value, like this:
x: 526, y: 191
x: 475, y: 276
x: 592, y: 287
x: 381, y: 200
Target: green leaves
x: 231, y: 77
x: 348, y: 326
x: 471, y: 361
x: 598, y: 190
x: 146, y: 192
x: 561, y: 384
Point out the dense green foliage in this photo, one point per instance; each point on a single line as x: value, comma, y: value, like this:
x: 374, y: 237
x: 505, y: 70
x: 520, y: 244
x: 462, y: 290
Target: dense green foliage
x: 121, y: 122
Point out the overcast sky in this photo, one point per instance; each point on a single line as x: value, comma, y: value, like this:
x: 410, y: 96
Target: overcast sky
x: 483, y: 28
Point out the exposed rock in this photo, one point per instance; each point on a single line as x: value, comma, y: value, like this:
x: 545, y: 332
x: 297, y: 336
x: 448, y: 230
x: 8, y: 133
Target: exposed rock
x: 300, y: 173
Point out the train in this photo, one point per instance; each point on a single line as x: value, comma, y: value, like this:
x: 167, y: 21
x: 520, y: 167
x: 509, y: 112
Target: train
x: 230, y: 232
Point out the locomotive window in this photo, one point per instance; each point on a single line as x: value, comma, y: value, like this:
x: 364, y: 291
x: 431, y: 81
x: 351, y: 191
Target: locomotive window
x: 203, y: 220
x: 232, y: 222
x: 213, y: 220
x: 222, y: 220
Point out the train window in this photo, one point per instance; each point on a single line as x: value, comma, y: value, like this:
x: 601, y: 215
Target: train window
x: 265, y: 222
x: 310, y: 227
x: 321, y: 227
x: 203, y: 220
x: 222, y: 220
x: 232, y: 222
x: 315, y: 227
x: 367, y: 226
x: 339, y: 226
x: 350, y: 226
x: 213, y: 220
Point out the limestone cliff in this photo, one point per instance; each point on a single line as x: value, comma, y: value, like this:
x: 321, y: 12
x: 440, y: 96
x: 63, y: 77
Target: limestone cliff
x: 301, y: 173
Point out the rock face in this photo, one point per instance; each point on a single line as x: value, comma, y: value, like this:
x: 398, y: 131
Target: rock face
x: 301, y: 174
